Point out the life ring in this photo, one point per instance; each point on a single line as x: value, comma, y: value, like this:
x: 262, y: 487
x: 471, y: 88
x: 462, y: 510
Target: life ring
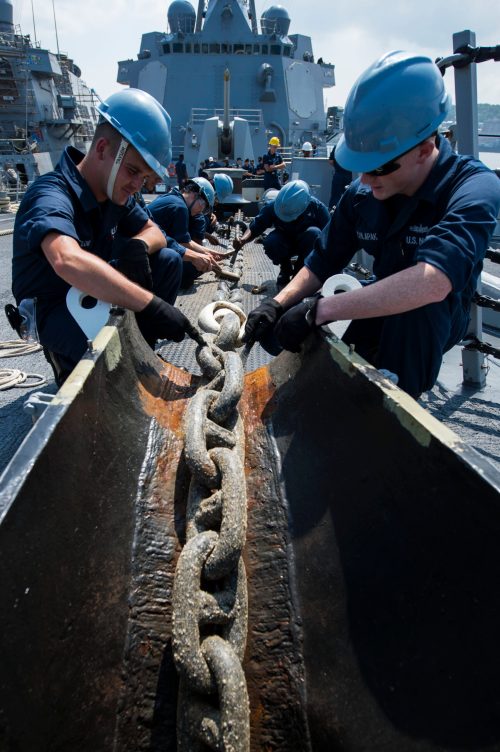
x: 171, y: 170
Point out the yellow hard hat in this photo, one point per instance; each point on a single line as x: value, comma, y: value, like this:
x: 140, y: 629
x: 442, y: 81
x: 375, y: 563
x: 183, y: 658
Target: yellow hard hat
x: 274, y: 141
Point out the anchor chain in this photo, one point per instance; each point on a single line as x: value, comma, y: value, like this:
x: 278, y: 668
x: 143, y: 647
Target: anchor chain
x: 210, y: 602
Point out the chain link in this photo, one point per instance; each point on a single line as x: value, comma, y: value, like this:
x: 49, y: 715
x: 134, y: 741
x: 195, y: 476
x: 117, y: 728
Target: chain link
x: 210, y: 602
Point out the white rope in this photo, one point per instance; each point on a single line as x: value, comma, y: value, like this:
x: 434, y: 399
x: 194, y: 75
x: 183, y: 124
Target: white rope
x: 11, y: 348
x: 13, y: 377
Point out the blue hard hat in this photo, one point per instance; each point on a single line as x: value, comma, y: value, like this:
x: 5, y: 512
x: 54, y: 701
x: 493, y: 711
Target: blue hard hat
x: 399, y: 101
x: 144, y: 123
x: 292, y: 200
x: 205, y: 189
x: 223, y: 185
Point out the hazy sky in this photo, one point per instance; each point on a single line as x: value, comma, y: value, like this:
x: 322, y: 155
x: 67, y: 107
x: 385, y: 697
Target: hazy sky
x: 98, y: 33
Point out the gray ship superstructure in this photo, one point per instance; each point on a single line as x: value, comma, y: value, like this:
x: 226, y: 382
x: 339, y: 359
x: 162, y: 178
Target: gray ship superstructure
x: 229, y: 87
x: 44, y: 105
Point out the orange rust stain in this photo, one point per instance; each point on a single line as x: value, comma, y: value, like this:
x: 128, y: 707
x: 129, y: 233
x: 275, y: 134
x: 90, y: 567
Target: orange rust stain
x: 258, y: 394
x: 168, y: 407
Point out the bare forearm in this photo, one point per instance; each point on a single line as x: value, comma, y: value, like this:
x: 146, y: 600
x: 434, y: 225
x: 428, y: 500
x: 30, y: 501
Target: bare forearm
x: 194, y: 246
x: 304, y: 283
x: 152, y: 236
x: 246, y: 237
x: 91, y: 274
x: 411, y: 288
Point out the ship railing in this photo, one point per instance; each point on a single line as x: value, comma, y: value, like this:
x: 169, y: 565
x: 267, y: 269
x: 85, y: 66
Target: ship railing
x: 464, y: 60
x: 200, y: 114
x: 322, y: 150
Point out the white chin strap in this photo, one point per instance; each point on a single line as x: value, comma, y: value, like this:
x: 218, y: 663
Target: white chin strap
x: 120, y: 154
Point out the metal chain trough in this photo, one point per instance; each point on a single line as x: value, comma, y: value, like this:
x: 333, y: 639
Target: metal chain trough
x: 245, y: 559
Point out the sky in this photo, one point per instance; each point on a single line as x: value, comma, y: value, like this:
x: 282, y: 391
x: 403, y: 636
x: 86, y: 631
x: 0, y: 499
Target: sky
x: 351, y: 35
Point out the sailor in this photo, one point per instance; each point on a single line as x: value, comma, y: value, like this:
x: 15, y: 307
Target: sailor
x: 204, y: 225
x: 271, y: 163
x: 259, y: 169
x: 307, y: 149
x: 201, y: 171
x: 178, y: 213
x: 181, y: 171
x: 297, y: 219
x: 65, y: 225
x: 425, y: 214
x: 340, y: 180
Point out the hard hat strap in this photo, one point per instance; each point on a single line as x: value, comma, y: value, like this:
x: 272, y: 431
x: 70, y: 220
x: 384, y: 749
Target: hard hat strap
x: 120, y: 154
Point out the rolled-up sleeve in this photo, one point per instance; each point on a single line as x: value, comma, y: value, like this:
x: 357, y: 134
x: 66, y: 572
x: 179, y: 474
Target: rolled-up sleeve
x: 456, y: 245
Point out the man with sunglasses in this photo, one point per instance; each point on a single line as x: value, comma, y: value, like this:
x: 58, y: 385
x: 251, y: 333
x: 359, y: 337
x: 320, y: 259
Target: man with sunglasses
x: 177, y: 213
x: 425, y: 214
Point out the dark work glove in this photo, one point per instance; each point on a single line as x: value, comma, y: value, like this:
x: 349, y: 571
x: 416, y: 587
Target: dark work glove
x: 160, y: 320
x: 262, y: 319
x: 132, y: 260
x: 294, y: 326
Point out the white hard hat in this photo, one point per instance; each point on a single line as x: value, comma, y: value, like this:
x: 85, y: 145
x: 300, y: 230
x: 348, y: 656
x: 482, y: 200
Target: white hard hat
x: 307, y: 146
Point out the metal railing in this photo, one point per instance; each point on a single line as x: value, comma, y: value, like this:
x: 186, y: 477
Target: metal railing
x: 253, y: 116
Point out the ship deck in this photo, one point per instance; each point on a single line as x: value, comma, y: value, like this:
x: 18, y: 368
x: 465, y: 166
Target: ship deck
x: 472, y: 412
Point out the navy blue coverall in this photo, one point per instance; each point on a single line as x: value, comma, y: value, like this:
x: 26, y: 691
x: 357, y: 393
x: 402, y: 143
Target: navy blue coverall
x: 271, y: 179
x: 447, y: 223
x: 61, y: 201
x: 340, y: 179
x: 289, y: 239
x: 171, y: 214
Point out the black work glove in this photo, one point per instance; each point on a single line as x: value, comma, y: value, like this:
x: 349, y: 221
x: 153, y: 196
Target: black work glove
x: 160, y: 320
x: 295, y: 325
x: 132, y: 260
x: 262, y: 319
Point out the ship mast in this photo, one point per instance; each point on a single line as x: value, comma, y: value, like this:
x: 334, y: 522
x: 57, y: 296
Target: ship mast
x: 55, y: 27
x: 34, y: 26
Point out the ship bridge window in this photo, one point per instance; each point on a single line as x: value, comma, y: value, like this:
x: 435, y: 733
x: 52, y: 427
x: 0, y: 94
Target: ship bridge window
x: 238, y: 49
x: 248, y: 49
x: 276, y: 49
x: 166, y: 49
x: 256, y: 49
x: 177, y: 47
x: 187, y: 47
x: 265, y: 49
x: 226, y: 48
x: 204, y: 49
x: 287, y: 51
x: 215, y: 48
x: 196, y: 49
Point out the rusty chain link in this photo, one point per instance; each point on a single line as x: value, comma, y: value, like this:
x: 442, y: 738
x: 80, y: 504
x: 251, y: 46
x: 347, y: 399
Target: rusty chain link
x: 210, y: 603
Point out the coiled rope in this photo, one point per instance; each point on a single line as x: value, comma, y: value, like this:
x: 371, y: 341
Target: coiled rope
x: 14, y: 377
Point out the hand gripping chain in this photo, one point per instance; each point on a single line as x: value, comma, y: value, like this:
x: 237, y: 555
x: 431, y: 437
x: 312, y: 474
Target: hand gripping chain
x: 210, y: 605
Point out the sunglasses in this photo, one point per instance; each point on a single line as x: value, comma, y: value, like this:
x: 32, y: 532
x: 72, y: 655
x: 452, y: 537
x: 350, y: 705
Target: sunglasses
x: 389, y: 167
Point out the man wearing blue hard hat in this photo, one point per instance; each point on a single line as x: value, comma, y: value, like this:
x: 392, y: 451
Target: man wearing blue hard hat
x: 182, y: 214
x: 297, y: 219
x: 424, y: 213
x: 67, y: 223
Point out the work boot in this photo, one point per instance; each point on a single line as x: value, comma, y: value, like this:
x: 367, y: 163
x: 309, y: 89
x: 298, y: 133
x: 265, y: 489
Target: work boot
x: 284, y: 275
